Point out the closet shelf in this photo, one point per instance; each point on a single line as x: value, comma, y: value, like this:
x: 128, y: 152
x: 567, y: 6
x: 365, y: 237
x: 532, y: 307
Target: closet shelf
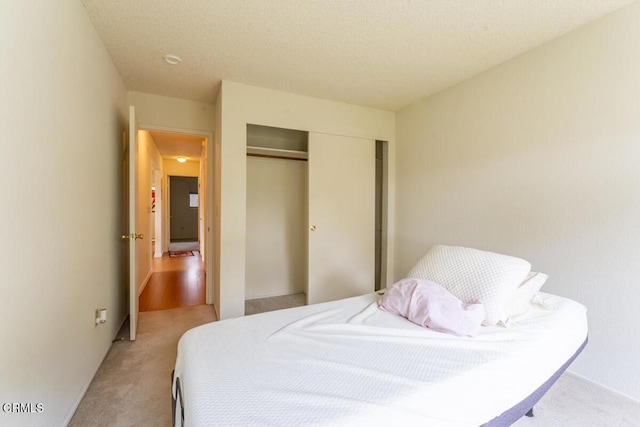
x: 277, y: 153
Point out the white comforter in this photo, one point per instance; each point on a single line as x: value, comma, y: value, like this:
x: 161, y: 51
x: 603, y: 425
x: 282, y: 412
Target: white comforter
x: 348, y: 363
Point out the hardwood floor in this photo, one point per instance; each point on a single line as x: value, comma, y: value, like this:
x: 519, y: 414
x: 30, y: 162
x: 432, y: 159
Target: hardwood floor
x: 175, y: 282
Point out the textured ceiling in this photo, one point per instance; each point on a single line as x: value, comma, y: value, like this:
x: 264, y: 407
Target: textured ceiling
x: 378, y: 53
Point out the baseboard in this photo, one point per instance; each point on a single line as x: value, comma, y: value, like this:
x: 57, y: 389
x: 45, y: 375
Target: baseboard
x: 145, y: 281
x: 597, y: 384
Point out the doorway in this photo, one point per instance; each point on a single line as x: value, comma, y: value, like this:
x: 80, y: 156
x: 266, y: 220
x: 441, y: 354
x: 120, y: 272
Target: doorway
x: 177, y: 274
x: 183, y: 213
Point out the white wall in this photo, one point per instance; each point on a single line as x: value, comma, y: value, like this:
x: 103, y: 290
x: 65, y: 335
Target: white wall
x: 167, y: 112
x: 203, y: 201
x: 538, y: 158
x: 62, y: 117
x: 214, y: 194
x: 159, y: 212
x: 147, y: 155
x: 276, y: 227
x: 241, y: 104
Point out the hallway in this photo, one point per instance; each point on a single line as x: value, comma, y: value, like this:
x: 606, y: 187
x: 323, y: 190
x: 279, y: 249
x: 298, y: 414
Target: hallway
x: 175, y: 282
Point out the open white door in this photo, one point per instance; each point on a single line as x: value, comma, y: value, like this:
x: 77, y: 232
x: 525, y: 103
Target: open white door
x: 341, y: 217
x: 133, y: 236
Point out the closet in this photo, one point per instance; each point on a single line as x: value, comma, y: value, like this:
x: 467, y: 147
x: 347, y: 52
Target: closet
x: 276, y: 247
x: 311, y: 211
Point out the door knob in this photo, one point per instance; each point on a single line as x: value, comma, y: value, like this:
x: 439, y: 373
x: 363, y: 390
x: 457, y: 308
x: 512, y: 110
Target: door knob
x: 132, y: 236
x: 313, y: 228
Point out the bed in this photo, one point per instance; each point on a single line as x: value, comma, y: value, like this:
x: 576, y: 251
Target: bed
x: 349, y: 363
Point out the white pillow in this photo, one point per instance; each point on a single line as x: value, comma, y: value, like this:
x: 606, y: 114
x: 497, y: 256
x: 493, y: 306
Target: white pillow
x: 474, y: 276
x: 520, y: 301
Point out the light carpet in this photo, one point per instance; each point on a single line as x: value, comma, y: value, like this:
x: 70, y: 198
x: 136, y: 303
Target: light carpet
x: 260, y: 305
x: 132, y: 387
x: 576, y: 402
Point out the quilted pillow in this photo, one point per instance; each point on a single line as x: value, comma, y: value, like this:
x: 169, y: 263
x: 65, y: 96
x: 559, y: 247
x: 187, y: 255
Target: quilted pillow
x: 520, y: 301
x: 474, y: 275
x: 428, y: 304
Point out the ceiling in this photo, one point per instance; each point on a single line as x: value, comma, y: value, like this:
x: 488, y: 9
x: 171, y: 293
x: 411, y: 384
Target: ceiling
x: 378, y: 53
x: 173, y: 145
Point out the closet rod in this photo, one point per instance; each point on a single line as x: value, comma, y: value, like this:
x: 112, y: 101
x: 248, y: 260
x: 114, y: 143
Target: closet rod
x: 272, y: 156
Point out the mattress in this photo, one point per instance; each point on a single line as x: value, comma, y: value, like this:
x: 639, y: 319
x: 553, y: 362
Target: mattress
x: 347, y: 362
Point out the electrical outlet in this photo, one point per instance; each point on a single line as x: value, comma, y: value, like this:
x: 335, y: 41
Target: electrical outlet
x: 101, y: 316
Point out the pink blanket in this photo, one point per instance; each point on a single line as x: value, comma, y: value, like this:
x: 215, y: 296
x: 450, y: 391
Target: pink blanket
x: 430, y: 305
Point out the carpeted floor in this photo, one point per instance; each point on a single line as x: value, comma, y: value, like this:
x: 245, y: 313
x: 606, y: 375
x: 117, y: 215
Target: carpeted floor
x: 261, y: 305
x: 132, y: 386
x: 576, y: 402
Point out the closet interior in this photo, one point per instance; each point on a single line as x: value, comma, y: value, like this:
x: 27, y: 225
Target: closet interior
x: 276, y: 254
x: 316, y: 214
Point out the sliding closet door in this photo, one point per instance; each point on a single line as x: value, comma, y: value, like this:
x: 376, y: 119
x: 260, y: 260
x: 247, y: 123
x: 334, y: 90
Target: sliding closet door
x: 341, y: 217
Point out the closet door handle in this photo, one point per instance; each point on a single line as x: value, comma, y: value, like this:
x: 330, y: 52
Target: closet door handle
x: 313, y: 228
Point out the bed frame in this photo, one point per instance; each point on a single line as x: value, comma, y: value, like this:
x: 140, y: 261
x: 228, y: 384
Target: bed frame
x: 525, y: 408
